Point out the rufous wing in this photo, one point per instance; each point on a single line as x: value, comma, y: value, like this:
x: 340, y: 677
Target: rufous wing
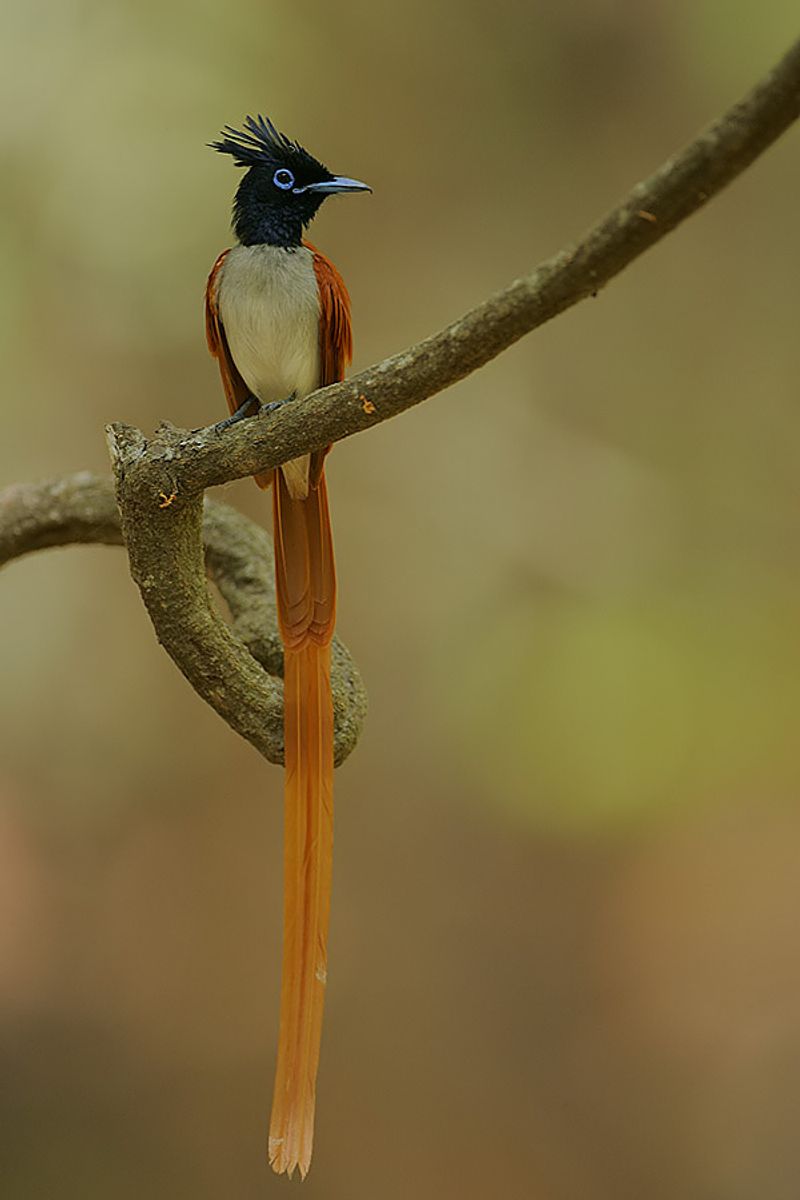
x: 335, y: 333
x: 236, y: 390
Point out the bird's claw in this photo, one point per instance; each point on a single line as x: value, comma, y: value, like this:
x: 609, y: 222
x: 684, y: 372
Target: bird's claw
x: 252, y: 407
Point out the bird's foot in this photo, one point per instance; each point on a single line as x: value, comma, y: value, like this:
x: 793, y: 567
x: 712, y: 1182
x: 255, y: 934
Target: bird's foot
x: 247, y: 408
x: 252, y: 407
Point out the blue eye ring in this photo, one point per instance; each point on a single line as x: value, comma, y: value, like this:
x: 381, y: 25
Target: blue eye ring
x: 283, y: 179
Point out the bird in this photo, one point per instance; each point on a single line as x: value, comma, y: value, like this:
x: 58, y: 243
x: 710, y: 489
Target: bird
x: 278, y: 323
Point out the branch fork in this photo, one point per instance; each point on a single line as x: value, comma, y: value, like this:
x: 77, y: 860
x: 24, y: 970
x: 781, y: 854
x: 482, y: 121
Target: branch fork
x: 172, y: 537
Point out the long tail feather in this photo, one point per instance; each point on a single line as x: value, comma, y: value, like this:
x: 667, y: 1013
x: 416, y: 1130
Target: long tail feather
x: 306, y: 589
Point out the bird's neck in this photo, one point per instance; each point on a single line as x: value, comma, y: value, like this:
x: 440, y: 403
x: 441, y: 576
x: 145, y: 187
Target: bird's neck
x: 259, y: 228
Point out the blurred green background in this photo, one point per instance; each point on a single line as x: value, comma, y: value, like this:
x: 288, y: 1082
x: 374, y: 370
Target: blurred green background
x: 564, y: 948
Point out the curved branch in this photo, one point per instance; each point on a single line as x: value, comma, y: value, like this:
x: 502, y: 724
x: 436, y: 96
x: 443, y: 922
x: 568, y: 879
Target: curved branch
x: 60, y: 512
x: 160, y: 482
x: 238, y: 557
x: 189, y: 462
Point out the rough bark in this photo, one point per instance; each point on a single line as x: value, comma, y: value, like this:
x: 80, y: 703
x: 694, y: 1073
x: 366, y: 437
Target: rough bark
x: 236, y: 668
x: 160, y: 482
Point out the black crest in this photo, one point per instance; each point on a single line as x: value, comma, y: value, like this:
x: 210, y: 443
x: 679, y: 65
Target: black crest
x: 258, y: 144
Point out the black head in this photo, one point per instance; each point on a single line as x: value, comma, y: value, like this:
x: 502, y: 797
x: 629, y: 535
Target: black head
x: 284, y: 185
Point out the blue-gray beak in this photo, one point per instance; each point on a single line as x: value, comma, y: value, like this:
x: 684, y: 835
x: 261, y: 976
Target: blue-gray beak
x: 339, y: 183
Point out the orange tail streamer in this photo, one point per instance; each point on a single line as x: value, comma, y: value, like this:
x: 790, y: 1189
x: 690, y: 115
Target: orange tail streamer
x: 306, y: 591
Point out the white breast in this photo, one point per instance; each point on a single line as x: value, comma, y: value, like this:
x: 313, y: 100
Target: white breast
x: 269, y: 305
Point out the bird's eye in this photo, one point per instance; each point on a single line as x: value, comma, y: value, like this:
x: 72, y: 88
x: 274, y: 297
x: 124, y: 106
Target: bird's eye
x: 283, y: 179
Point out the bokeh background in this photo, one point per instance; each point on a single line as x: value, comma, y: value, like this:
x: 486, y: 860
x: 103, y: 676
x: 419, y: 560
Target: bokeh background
x: 564, y: 948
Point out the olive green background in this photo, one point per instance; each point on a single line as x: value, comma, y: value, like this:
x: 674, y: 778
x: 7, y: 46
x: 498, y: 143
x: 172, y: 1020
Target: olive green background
x: 564, y: 948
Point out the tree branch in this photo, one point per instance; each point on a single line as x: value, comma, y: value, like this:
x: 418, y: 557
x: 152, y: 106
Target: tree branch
x: 190, y: 462
x: 160, y: 482
x: 238, y: 557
